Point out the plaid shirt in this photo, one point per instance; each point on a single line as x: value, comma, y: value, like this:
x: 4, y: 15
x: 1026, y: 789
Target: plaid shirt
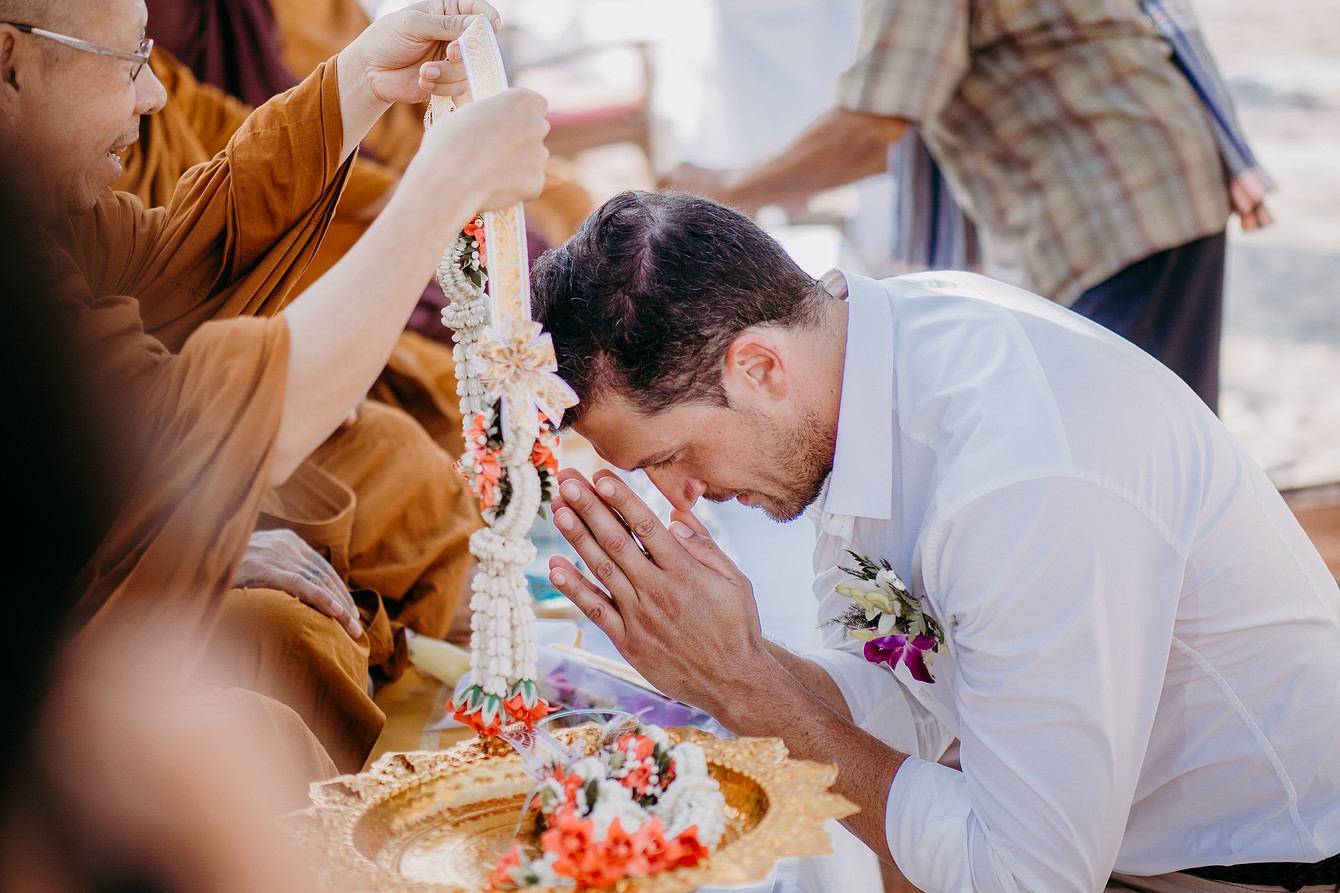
x: 1063, y: 126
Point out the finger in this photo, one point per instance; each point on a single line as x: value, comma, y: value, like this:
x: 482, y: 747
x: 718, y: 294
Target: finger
x: 637, y: 518
x: 602, y: 542
x: 336, y: 589
x: 322, y: 589
x: 432, y: 28
x: 436, y: 76
x: 686, y: 516
x: 693, y: 538
x: 598, y: 607
x: 477, y: 7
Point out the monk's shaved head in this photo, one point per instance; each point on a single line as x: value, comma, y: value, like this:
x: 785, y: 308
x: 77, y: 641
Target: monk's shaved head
x: 49, y: 14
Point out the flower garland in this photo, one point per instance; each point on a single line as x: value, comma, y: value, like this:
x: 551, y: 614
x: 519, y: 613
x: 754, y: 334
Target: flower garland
x: 889, y: 619
x: 637, y: 806
x: 510, y: 466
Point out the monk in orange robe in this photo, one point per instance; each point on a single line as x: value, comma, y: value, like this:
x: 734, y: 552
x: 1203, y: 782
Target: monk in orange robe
x: 230, y: 402
x: 199, y: 119
x: 379, y: 500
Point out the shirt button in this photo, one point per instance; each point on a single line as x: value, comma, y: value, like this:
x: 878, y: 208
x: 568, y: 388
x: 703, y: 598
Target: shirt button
x: 923, y: 694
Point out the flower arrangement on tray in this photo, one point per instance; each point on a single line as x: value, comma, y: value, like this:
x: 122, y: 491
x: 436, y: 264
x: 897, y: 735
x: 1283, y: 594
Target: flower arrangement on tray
x: 439, y: 821
x: 637, y: 806
x: 889, y: 619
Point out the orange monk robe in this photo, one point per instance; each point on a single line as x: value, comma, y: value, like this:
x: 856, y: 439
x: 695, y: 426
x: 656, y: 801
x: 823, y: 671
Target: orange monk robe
x: 310, y: 32
x: 234, y: 240
x: 197, y: 123
x: 410, y: 497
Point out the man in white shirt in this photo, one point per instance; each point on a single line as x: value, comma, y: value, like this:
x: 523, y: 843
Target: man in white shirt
x: 1141, y: 655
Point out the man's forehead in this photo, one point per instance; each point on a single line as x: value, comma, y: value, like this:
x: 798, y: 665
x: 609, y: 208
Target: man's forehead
x: 623, y: 436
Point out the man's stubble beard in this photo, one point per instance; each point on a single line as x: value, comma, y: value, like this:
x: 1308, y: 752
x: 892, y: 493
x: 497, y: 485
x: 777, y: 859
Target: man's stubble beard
x: 802, y: 453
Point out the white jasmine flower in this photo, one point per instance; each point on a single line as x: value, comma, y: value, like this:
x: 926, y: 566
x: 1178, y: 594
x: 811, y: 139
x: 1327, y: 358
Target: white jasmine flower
x: 614, y: 801
x: 693, y: 801
x: 871, y: 597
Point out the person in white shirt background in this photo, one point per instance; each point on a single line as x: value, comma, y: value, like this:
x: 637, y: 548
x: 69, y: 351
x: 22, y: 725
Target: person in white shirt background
x: 1141, y: 648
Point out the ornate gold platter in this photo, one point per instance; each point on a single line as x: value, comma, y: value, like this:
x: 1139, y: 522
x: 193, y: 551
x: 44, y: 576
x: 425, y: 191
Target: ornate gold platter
x: 436, y: 822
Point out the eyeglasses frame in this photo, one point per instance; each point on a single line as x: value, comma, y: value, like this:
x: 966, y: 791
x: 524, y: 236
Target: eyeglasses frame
x: 140, y: 59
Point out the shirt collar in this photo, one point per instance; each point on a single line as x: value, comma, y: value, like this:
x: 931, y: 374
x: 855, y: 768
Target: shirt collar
x: 862, y: 480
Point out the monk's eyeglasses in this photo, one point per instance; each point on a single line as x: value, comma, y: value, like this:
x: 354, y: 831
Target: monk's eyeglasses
x: 138, y: 59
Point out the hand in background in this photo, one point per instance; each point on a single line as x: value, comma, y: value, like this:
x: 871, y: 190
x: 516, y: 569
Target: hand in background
x: 280, y: 559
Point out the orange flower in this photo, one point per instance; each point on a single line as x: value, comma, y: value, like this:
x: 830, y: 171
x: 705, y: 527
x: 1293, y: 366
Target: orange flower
x: 638, y: 778
x: 483, y: 470
x: 571, y: 838
x: 643, y: 746
x: 476, y: 231
x: 474, y: 719
x: 624, y: 852
x: 686, y: 849
x: 517, y: 709
x: 477, y: 432
x: 543, y: 458
x: 501, y: 874
x: 651, y: 840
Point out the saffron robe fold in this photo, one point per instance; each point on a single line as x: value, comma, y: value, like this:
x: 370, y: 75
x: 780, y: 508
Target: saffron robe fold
x: 409, y: 497
x: 173, y: 304
x: 206, y: 413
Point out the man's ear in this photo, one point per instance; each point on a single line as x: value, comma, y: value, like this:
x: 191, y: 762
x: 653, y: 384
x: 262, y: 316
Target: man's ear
x: 757, y: 362
x: 11, y: 57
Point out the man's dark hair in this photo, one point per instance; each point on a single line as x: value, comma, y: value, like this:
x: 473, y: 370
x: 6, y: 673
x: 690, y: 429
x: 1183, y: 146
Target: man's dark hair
x: 648, y: 295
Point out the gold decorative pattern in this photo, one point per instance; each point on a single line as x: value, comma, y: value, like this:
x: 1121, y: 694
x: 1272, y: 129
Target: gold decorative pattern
x: 437, y: 822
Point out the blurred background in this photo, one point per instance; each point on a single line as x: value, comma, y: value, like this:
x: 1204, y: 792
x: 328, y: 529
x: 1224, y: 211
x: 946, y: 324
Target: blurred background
x: 637, y: 86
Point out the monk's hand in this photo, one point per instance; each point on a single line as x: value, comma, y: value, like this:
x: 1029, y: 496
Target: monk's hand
x: 676, y: 607
x: 281, y: 560
x: 490, y: 153
x: 406, y: 55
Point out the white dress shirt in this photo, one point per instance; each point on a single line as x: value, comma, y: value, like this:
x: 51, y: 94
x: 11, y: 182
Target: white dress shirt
x: 1143, y: 662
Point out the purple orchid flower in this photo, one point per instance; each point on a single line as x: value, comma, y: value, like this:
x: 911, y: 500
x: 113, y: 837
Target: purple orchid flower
x: 894, y: 649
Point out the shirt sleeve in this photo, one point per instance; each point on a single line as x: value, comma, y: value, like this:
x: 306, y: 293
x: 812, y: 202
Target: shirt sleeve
x: 910, y: 57
x: 1063, y: 594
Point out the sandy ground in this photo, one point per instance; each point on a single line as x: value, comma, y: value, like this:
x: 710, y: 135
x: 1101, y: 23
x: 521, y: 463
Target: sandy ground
x: 1281, y: 363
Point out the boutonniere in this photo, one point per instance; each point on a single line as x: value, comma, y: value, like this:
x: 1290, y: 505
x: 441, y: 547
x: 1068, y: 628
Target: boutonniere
x: 888, y: 618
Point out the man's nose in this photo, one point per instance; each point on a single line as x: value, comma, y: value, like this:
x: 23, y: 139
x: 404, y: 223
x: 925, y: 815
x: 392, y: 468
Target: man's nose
x: 681, y: 490
x: 150, y: 95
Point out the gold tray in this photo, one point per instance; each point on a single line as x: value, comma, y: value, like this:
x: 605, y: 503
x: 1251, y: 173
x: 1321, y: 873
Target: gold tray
x: 436, y: 822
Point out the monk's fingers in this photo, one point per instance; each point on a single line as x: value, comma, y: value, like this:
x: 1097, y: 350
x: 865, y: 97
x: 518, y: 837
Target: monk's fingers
x: 600, y: 538
x: 430, y: 26
x: 317, y: 585
x: 444, y: 77
x: 469, y: 8
x: 590, y: 599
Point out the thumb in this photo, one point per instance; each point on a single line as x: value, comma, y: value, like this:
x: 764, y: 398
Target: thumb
x: 695, y: 539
